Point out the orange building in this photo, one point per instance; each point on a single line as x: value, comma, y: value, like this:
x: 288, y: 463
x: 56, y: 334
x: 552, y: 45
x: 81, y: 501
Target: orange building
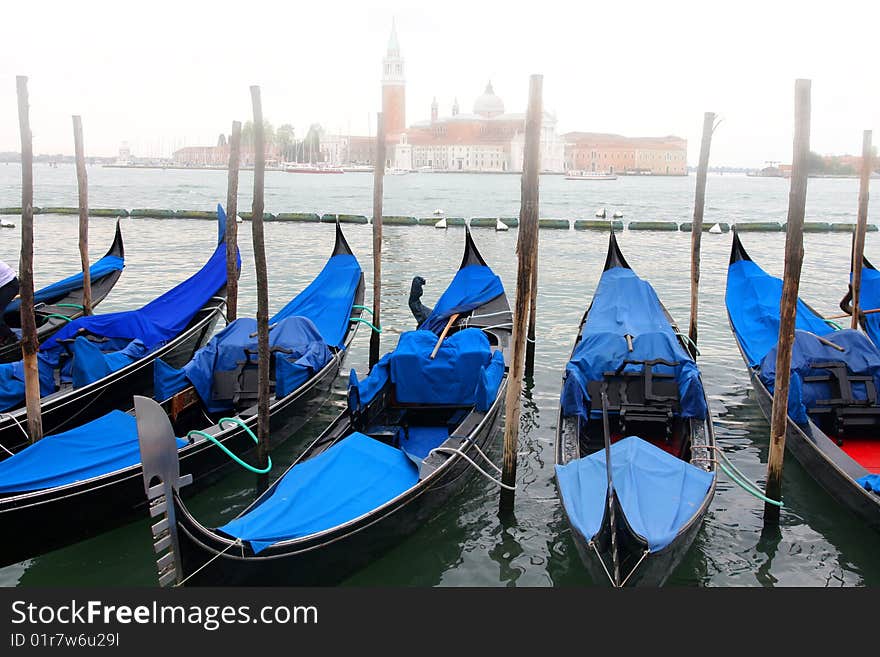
x: 608, y: 153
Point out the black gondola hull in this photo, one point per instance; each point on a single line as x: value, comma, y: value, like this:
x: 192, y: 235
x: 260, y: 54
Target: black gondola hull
x: 329, y: 558
x: 72, y: 408
x: 47, y: 520
x: 48, y: 326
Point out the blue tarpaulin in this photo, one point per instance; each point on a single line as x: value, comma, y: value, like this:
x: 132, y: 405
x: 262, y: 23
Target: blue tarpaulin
x: 417, y: 442
x: 328, y: 299
x: 869, y: 298
x: 101, y: 268
x: 451, y: 377
x: 658, y: 492
x: 353, y: 477
x: 90, y: 364
x: 860, y: 355
x: 154, y: 324
x: 102, y: 446
x: 226, y: 350
x: 624, y: 305
x: 870, y: 482
x: 753, y: 297
x: 472, y: 286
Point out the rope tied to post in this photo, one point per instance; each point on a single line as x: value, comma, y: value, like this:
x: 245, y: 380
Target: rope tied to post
x: 213, y: 439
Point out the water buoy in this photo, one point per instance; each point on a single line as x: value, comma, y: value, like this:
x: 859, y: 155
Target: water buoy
x: 500, y: 225
x: 716, y: 229
x: 618, y: 215
x: 238, y: 219
x: 441, y: 223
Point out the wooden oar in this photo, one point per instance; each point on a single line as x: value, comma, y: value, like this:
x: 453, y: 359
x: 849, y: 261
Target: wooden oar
x: 443, y: 335
x: 828, y: 343
x: 629, y: 341
x: 864, y: 312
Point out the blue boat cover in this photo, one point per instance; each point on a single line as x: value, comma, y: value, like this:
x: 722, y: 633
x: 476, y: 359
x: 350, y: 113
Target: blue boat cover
x: 860, y: 355
x: 101, y: 268
x: 102, y: 446
x: 451, y: 377
x: 308, y: 354
x: 472, y: 286
x: 361, y: 393
x: 90, y: 364
x: 355, y: 476
x: 753, y: 298
x: 870, y: 482
x: 416, y: 442
x: 658, y: 492
x: 623, y: 305
x: 328, y: 299
x: 869, y: 299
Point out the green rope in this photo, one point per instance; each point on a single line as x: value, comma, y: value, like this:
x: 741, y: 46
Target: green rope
x: 234, y: 420
x: 831, y: 322
x: 69, y: 305
x: 64, y: 317
x: 747, y: 488
x: 360, y: 307
x: 687, y: 339
x: 363, y: 321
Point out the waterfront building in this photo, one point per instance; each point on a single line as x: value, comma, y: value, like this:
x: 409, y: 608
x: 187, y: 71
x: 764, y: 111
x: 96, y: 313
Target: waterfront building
x: 609, y: 153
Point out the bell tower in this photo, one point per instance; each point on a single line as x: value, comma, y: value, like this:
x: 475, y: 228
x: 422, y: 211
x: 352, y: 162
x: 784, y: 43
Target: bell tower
x: 393, y: 87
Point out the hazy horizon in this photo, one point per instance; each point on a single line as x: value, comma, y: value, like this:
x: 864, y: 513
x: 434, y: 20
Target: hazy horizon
x: 179, y: 74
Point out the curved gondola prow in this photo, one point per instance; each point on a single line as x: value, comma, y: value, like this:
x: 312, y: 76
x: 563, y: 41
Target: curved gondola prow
x: 161, y: 472
x: 737, y: 250
x: 117, y: 248
x: 472, y: 255
x: 341, y: 247
x: 615, y: 255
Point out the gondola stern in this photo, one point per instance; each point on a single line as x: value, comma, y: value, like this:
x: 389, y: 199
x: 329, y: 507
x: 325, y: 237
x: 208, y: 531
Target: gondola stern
x: 472, y: 255
x: 162, y: 481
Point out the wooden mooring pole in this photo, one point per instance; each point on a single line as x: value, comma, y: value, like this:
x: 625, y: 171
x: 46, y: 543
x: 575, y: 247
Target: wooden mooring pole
x: 531, y: 340
x: 378, y: 191
x: 527, y: 252
x: 262, y: 290
x: 861, y: 229
x: 697, y: 227
x: 29, y: 342
x: 82, y: 182
x: 231, y: 225
x: 794, y: 256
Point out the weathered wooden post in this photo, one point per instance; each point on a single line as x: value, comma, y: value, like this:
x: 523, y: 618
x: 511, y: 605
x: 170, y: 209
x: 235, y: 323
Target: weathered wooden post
x: 697, y: 226
x: 262, y: 290
x: 231, y: 225
x: 527, y: 252
x: 29, y: 342
x: 861, y: 229
x: 531, y: 339
x: 794, y: 255
x: 82, y: 181
x: 378, y: 182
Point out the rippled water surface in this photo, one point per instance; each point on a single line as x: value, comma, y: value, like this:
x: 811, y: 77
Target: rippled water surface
x: 818, y: 543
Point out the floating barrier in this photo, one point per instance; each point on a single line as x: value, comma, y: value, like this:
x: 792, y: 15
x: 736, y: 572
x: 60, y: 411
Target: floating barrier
x: 652, y: 225
x: 686, y: 226
x: 196, y: 214
x: 396, y: 220
x: 598, y: 224
x: 450, y: 221
x: 110, y: 212
x: 152, y: 213
x: 759, y: 227
x: 267, y: 216
x: 352, y: 219
x: 814, y: 227
x: 483, y: 222
x: 561, y: 224
x: 312, y: 217
x: 17, y: 211
x: 850, y: 228
x: 60, y: 211
x: 512, y: 222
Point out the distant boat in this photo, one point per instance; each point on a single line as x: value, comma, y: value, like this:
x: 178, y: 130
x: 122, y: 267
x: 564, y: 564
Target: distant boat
x: 297, y: 167
x: 589, y: 175
x: 600, y: 213
x: 358, y: 168
x: 7, y: 224
x: 618, y: 214
x: 426, y: 169
x: 396, y: 172
x: 500, y: 225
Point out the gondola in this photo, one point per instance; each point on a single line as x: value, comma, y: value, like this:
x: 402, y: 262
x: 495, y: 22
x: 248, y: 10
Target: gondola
x: 382, y: 468
x: 833, y: 414
x: 635, y: 467
x: 869, y: 299
x: 94, y: 364
x: 57, y: 304
x: 65, y: 489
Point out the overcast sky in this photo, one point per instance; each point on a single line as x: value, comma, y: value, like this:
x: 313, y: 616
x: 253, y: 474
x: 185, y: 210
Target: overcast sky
x: 163, y: 74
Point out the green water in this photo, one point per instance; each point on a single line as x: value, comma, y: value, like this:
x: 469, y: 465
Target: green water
x: 818, y: 544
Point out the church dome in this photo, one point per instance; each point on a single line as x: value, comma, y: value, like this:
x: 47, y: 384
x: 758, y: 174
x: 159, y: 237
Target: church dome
x: 489, y: 104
